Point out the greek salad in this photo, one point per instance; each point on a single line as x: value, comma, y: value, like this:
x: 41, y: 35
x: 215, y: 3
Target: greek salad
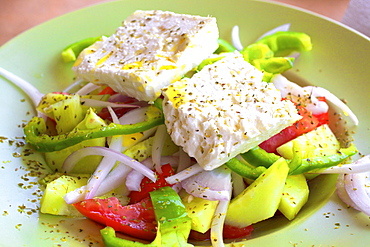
x: 171, y: 134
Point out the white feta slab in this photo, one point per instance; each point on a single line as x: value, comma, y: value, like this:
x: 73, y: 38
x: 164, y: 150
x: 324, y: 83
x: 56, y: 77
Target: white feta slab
x: 148, y: 52
x: 224, y: 110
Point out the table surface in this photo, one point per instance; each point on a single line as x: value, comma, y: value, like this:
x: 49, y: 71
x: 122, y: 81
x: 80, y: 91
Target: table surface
x: 17, y: 16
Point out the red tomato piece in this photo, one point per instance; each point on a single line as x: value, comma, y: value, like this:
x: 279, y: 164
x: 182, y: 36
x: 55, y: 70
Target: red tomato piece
x: 323, y: 117
x: 147, y: 185
x: 136, y: 220
x: 236, y: 232
x: 107, y: 90
x: 304, y: 125
x: 229, y: 232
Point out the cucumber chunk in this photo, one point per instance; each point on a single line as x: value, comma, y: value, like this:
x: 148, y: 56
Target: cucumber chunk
x: 261, y: 199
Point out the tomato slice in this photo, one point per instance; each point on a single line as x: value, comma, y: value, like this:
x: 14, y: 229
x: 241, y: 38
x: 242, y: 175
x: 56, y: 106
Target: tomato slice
x: 107, y: 90
x: 229, y: 232
x: 307, y: 123
x: 323, y: 117
x: 147, y: 185
x: 136, y: 220
x: 237, y: 232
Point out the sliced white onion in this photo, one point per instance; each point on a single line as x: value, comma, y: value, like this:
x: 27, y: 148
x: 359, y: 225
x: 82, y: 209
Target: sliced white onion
x: 235, y: 38
x: 322, y: 92
x: 184, y: 160
x: 113, y: 116
x: 358, y: 166
x: 88, y: 88
x: 103, y: 169
x: 158, y: 143
x: 134, y: 116
x: 177, y: 187
x: 33, y: 93
x: 134, y: 178
x: 284, y: 27
x: 105, y: 166
x: 286, y: 87
x: 357, y: 186
x: 211, y: 185
x: 114, y: 179
x: 238, y: 183
x: 342, y: 192
x: 73, y: 85
x: 317, y: 107
x: 184, y: 174
x: 101, y: 103
x: 76, y: 195
x: 297, y: 93
x: 70, y: 162
x: 217, y: 224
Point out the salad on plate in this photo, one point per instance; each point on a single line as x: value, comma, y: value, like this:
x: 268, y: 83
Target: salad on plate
x: 171, y: 135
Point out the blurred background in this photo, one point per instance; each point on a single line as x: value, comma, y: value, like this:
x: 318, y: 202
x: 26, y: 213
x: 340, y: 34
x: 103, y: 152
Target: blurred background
x: 17, y: 16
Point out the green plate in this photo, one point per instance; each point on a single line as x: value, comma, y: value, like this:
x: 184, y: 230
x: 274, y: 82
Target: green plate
x: 339, y: 62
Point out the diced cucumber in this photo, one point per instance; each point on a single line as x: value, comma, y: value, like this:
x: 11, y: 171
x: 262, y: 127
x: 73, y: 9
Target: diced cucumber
x: 87, y: 164
x: 201, y: 211
x: 52, y: 202
x: 67, y: 114
x: 295, y: 195
x: 143, y: 150
x: 50, y: 99
x: 318, y: 142
x: 261, y: 199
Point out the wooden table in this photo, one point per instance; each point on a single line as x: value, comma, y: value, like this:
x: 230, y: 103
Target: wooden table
x: 17, y: 16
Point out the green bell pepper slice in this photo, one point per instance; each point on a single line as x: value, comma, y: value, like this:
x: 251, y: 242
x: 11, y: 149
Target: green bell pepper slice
x: 71, y: 52
x: 314, y: 163
x: 283, y: 43
x: 35, y: 132
x: 244, y: 170
x: 273, y: 65
x: 224, y: 46
x: 256, y: 51
x: 208, y: 61
x: 259, y: 157
x: 174, y: 224
x: 268, y: 54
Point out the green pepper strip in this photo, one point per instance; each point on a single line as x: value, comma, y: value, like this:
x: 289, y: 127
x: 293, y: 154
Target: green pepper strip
x: 258, y: 157
x: 324, y: 161
x: 36, y: 137
x: 174, y: 224
x: 284, y: 42
x: 273, y: 65
x: 256, y: 51
x: 224, y: 46
x: 159, y: 104
x: 71, y: 52
x: 208, y: 61
x: 244, y: 170
x: 297, y: 159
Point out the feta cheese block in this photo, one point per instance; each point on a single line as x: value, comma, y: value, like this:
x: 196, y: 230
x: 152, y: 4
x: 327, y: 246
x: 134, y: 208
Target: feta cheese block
x: 148, y: 52
x: 224, y: 110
